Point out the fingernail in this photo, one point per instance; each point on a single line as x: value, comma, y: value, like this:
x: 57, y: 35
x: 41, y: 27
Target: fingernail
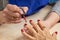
x: 38, y: 20
x: 30, y: 21
x: 56, y: 32
x: 25, y: 24
x: 22, y: 30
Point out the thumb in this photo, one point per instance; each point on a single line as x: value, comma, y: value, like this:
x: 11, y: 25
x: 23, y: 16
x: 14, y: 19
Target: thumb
x: 54, y: 35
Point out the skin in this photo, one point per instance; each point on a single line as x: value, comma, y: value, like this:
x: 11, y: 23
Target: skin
x: 37, y: 32
x: 11, y: 14
x: 47, y: 22
x: 51, y: 20
x: 13, y: 11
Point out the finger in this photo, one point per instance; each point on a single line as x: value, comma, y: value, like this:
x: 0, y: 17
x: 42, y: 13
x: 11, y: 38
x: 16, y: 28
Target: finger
x: 10, y: 20
x: 54, y: 35
x: 17, y: 21
x: 47, y: 32
x: 31, y: 29
x: 12, y: 17
x: 31, y: 33
x: 13, y: 7
x: 35, y: 26
x: 41, y: 25
x: 27, y: 31
x: 26, y: 35
x: 14, y: 14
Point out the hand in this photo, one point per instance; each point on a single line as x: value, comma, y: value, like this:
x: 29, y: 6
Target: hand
x: 5, y: 18
x: 12, y: 13
x: 37, y: 32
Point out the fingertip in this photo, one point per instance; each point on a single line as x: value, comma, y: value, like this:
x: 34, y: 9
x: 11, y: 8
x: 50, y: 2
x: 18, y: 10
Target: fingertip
x: 22, y: 30
x: 56, y: 33
x: 25, y: 24
x: 30, y: 21
x: 38, y: 20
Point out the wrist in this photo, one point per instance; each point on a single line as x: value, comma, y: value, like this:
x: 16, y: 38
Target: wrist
x: 47, y: 24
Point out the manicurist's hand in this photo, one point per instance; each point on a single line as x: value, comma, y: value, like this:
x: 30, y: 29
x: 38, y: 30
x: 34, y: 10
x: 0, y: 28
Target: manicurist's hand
x: 12, y: 14
x: 36, y: 31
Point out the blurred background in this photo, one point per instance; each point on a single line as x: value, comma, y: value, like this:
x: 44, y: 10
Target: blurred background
x: 3, y: 3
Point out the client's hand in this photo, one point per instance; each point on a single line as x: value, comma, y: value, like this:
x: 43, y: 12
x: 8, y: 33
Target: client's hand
x: 37, y: 32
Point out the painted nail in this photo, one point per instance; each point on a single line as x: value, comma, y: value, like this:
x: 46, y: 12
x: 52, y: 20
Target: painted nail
x: 22, y: 30
x: 38, y: 20
x: 30, y: 21
x: 56, y: 32
x: 25, y: 24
